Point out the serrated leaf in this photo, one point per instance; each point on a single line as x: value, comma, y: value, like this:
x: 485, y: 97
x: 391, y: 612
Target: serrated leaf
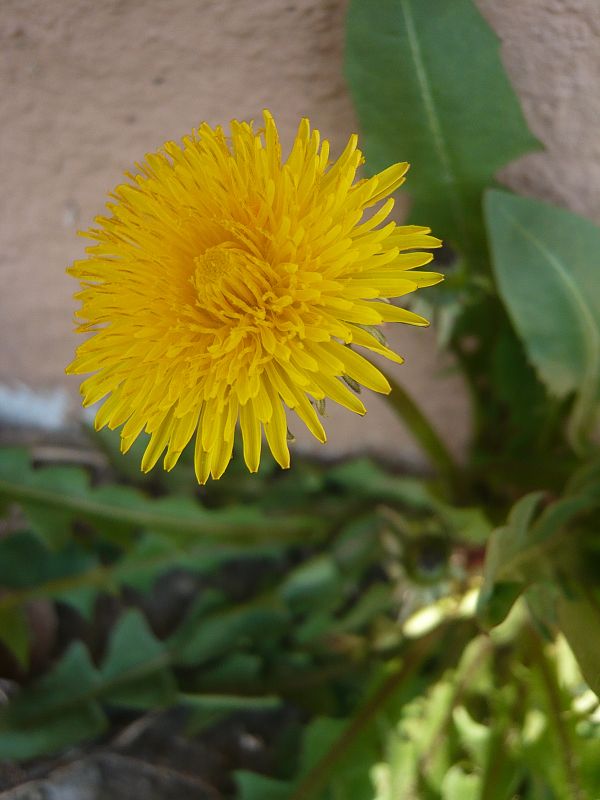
x: 135, y: 652
x: 503, y: 577
x: 204, y: 636
x: 428, y: 83
x: 25, y: 561
x: 312, y: 583
x: 64, y: 707
x: 29, y: 569
x: 364, y: 479
x: 59, y: 710
x: 546, y: 261
x: 53, y: 497
x: 520, y: 552
x: 376, y: 600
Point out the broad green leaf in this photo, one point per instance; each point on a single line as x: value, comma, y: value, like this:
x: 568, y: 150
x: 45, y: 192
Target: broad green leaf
x: 429, y: 88
x: 135, y: 652
x: 547, y: 261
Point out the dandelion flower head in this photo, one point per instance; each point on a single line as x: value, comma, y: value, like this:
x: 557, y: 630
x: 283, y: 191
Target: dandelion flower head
x: 228, y: 284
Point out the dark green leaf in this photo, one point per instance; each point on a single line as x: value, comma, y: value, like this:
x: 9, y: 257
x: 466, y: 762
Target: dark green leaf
x: 313, y: 583
x: 28, y: 569
x: 429, y: 88
x: 52, y: 494
x: 59, y: 710
x: 546, y: 262
x: 364, y: 479
x: 205, y: 636
x: 505, y: 562
x: 136, y: 655
x: 524, y: 551
x: 226, y: 703
x: 252, y: 786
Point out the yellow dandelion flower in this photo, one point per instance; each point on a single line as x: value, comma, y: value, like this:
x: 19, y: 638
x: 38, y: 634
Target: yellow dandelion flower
x: 227, y: 285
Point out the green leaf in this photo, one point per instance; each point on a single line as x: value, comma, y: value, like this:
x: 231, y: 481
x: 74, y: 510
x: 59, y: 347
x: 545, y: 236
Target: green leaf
x: 64, y: 707
x: 363, y: 479
x: 28, y: 569
x: 429, y: 88
x: 14, y: 633
x: 547, y: 262
x: 579, y: 620
x: 135, y: 652
x: 503, y: 577
x: 525, y: 551
x: 58, y: 711
x: 474, y: 736
x: 312, y: 584
x: 228, y: 702
x: 458, y: 785
x: 252, y: 786
x: 52, y: 497
x: 204, y: 636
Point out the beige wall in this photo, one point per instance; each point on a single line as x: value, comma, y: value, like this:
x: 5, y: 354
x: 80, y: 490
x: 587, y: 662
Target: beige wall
x: 87, y: 87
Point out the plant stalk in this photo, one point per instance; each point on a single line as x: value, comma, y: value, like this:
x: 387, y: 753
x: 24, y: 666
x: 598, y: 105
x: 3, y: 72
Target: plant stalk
x: 425, y: 435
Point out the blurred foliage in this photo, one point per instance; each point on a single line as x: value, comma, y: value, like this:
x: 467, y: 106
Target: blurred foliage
x: 435, y: 635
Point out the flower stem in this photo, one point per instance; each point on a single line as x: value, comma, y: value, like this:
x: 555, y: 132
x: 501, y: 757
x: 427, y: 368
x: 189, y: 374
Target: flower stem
x: 424, y: 433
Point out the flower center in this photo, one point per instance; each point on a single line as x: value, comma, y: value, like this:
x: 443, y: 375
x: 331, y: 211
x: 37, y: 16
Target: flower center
x: 211, y: 267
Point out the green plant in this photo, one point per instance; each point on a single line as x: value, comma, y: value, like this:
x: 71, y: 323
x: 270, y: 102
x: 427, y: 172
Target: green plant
x: 436, y: 634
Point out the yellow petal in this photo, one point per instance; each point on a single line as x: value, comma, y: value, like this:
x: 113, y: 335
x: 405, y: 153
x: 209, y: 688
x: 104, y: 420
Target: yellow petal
x: 251, y: 435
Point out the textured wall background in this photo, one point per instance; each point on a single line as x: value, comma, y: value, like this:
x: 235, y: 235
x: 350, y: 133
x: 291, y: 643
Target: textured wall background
x: 88, y: 87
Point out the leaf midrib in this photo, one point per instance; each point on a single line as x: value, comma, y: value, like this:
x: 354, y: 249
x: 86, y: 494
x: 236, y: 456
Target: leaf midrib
x: 432, y: 117
x: 590, y: 333
x: 145, y: 519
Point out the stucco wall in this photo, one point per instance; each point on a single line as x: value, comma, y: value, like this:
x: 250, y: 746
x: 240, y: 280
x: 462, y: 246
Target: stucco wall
x: 88, y: 87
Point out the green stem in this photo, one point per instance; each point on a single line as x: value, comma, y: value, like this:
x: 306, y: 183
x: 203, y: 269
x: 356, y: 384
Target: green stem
x: 555, y: 708
x: 424, y: 434
x: 317, y: 777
